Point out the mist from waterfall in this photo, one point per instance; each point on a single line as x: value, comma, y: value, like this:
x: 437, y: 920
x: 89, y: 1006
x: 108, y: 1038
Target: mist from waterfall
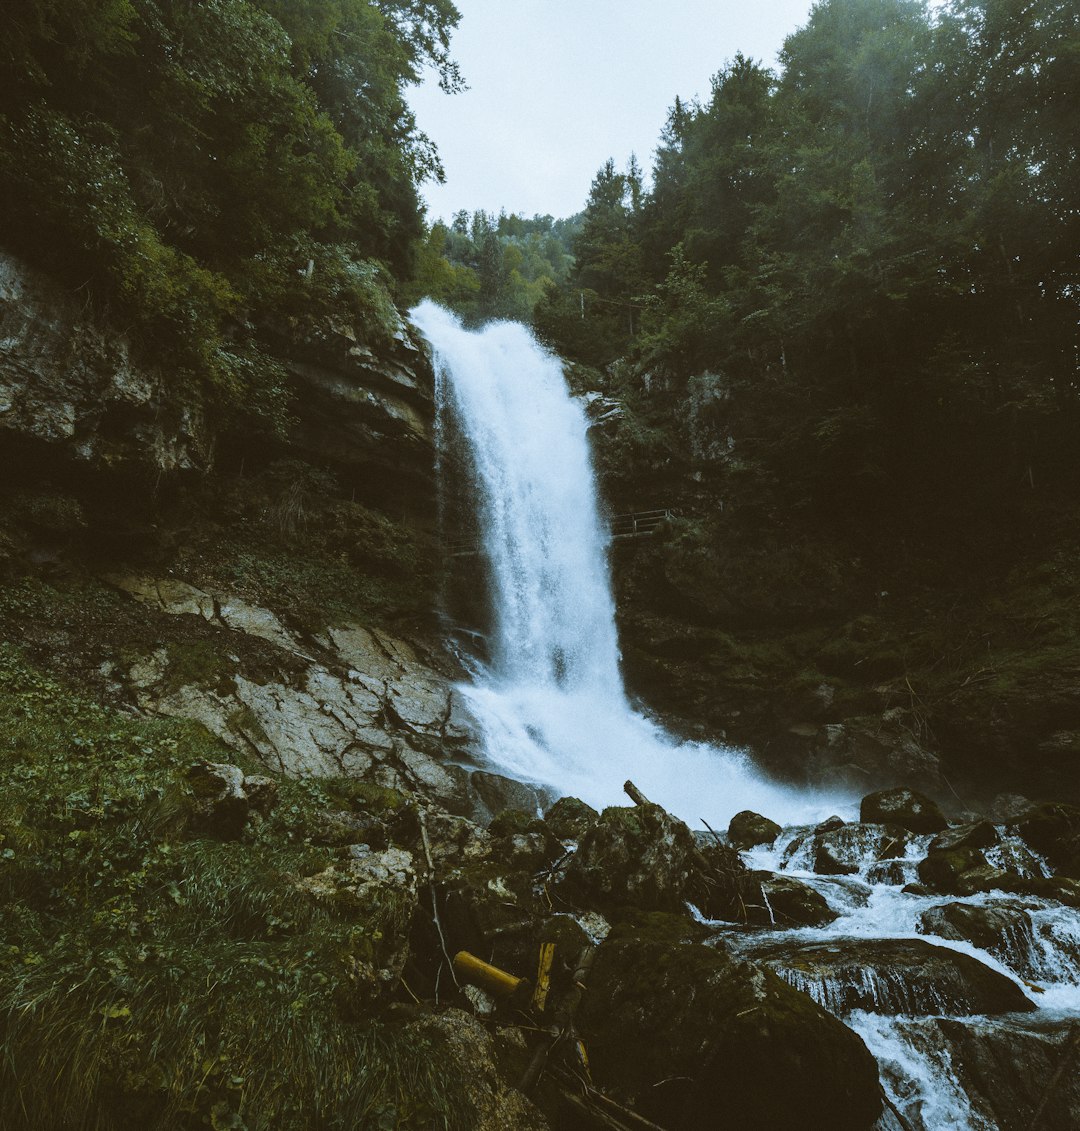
x: 551, y: 700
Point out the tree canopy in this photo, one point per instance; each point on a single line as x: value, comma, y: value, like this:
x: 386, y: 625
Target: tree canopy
x: 220, y: 162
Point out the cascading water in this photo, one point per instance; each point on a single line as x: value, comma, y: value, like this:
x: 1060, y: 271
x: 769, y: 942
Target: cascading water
x: 551, y: 702
x: 554, y: 711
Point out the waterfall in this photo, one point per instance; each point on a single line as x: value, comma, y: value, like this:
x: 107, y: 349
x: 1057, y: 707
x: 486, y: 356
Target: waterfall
x: 551, y: 700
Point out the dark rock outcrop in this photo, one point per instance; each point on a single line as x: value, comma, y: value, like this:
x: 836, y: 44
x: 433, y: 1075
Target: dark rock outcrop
x: 694, y: 1039
x: 749, y: 829
x: 904, y: 807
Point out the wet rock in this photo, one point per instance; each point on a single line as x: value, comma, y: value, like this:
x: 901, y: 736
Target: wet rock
x: 570, y: 819
x: 845, y: 849
x: 1019, y: 1075
x: 495, y: 793
x: 981, y: 834
x: 749, y: 829
x: 1053, y: 831
x: 830, y: 824
x: 904, y: 807
x: 892, y: 976
x: 1003, y: 930
x: 688, y: 1037
x: 952, y: 870
x: 791, y: 903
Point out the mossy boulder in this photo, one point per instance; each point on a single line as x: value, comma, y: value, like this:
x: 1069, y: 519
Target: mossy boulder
x: 692, y: 1039
x: 904, y: 807
x: 952, y: 870
x: 639, y: 856
x: 749, y: 829
x: 570, y: 818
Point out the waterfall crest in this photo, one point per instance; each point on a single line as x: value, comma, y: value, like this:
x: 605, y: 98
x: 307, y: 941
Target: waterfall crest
x: 551, y: 700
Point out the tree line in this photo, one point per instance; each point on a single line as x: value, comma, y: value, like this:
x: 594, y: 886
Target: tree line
x: 874, y: 251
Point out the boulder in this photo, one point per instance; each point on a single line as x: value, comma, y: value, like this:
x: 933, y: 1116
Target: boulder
x: 692, y: 1039
x: 980, y: 834
x: 791, y: 903
x: 892, y: 976
x: 644, y: 858
x: 904, y: 807
x: 221, y: 799
x: 1053, y: 831
x: 570, y: 819
x: 1020, y: 1075
x: 945, y: 870
x: 749, y: 829
x: 1003, y: 930
x: 638, y: 856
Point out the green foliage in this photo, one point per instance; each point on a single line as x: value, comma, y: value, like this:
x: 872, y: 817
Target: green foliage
x: 877, y: 247
x: 209, y: 168
x: 163, y: 983
x: 483, y: 267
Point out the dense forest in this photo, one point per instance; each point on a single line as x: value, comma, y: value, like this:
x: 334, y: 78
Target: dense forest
x: 207, y: 171
x: 873, y: 253
x: 832, y: 334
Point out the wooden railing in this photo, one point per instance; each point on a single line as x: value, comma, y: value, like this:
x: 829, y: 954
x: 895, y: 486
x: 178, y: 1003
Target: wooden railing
x: 640, y: 524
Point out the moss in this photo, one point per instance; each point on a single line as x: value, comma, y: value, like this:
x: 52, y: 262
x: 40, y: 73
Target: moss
x: 199, y: 663
x: 162, y: 983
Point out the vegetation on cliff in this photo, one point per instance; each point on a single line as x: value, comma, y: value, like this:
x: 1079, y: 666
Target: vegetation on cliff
x: 207, y: 171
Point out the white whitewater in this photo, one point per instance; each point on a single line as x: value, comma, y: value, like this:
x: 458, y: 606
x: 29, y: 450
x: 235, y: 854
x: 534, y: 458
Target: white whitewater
x: 551, y: 701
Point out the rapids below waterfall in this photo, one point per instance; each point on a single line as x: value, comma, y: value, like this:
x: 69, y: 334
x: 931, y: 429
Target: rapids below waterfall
x: 966, y: 1036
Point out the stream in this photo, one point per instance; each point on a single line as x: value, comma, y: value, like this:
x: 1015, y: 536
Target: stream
x: 970, y: 1003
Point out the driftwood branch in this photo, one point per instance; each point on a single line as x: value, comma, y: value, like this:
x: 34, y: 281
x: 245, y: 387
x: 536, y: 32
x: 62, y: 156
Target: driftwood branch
x: 426, y: 840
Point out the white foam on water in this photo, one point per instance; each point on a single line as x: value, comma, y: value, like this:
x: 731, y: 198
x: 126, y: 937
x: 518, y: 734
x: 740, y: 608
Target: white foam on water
x: 551, y: 701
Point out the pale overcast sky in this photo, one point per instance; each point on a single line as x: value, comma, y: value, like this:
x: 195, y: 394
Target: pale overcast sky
x: 558, y: 86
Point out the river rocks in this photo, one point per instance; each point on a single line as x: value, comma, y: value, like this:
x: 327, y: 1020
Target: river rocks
x: 748, y: 829
x: 904, y: 807
x: 692, y: 1038
x: 981, y: 834
x: 1054, y: 832
x: 1002, y: 929
x: 843, y: 850
x: 893, y: 976
x: 788, y: 902
x: 570, y: 819
x: 1019, y: 1076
